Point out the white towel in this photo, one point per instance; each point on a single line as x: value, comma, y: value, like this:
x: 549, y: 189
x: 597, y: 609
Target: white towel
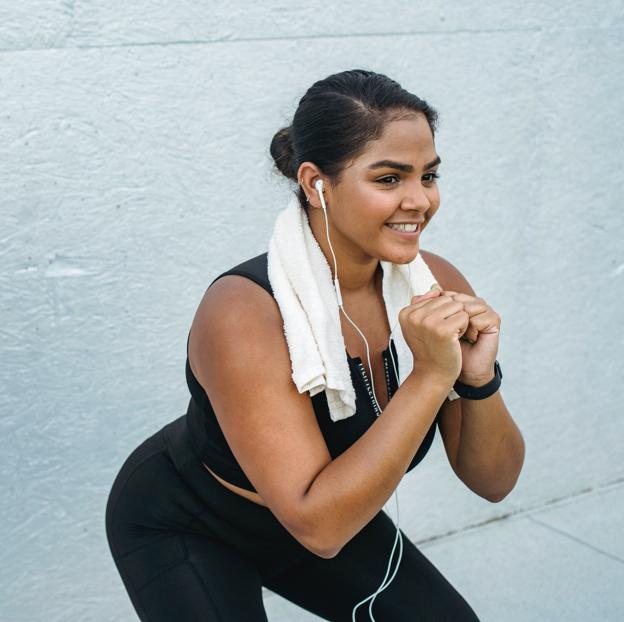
x: 302, y: 284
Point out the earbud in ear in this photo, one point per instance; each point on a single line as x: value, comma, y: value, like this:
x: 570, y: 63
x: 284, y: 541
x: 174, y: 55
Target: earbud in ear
x: 319, y: 185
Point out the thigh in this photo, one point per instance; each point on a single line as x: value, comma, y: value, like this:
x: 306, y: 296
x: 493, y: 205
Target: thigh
x: 331, y: 588
x: 172, y: 568
x: 191, y: 578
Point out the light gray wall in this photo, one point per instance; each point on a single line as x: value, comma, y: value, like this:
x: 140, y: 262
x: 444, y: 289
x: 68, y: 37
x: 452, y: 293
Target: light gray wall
x: 134, y: 168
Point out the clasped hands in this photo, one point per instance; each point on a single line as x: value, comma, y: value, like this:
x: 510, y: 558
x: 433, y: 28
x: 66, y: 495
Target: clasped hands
x: 479, y: 343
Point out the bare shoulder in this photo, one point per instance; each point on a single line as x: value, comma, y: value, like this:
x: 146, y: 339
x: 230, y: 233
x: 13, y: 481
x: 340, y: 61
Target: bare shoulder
x: 233, y: 302
x: 240, y: 357
x: 447, y: 274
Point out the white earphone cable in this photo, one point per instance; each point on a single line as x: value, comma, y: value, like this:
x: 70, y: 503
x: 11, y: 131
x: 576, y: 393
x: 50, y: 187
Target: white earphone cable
x: 319, y: 187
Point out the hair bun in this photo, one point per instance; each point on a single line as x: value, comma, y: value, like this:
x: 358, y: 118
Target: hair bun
x: 283, y: 153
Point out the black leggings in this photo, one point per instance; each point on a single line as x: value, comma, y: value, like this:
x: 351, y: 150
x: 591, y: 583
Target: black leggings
x: 188, y: 549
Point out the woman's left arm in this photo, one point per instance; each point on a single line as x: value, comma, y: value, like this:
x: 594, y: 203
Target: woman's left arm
x: 490, y: 450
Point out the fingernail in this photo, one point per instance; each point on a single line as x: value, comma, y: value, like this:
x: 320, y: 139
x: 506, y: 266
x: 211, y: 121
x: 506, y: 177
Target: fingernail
x: 435, y: 287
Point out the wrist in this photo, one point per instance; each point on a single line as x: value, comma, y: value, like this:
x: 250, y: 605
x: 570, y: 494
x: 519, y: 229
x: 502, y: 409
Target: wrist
x: 431, y: 379
x: 475, y: 381
x: 478, y: 388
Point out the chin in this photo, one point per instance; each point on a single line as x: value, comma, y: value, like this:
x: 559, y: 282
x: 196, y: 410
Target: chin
x: 402, y: 258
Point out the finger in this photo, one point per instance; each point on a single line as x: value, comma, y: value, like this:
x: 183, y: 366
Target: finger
x: 435, y: 287
x: 467, y: 339
x: 487, y: 322
x: 471, y: 304
x: 475, y: 313
x: 461, y: 295
x: 475, y: 306
x: 472, y: 332
x: 430, y: 294
x: 466, y: 335
x: 466, y: 298
x: 444, y: 308
x: 459, y: 322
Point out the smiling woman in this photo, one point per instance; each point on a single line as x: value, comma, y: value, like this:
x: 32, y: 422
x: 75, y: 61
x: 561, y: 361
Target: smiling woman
x: 378, y: 205
x: 256, y: 485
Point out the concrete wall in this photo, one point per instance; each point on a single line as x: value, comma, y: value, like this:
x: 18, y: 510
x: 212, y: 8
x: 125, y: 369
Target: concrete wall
x: 134, y: 168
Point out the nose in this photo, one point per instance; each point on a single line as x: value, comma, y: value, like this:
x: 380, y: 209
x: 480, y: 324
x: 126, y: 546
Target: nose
x: 417, y: 199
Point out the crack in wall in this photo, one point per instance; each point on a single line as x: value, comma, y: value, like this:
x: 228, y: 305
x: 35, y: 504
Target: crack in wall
x: 229, y: 39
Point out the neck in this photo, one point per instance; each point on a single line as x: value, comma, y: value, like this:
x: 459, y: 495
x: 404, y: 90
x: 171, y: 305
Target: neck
x: 359, y: 275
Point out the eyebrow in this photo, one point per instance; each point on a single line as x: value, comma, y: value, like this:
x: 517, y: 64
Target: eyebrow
x: 406, y: 168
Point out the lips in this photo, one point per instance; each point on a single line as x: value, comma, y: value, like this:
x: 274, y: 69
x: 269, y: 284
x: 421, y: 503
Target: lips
x: 406, y: 234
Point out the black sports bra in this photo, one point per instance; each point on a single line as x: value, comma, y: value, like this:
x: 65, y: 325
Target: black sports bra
x: 209, y: 443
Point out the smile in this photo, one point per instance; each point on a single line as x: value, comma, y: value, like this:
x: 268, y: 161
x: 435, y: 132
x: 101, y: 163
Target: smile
x: 405, y: 234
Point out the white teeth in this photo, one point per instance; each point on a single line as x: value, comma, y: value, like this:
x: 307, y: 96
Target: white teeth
x: 406, y: 228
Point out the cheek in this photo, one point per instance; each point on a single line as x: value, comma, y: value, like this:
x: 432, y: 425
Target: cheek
x: 373, y: 209
x: 429, y: 214
x: 434, y: 200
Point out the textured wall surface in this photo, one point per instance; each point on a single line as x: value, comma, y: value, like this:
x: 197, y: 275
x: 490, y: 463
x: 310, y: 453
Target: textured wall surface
x: 134, y: 168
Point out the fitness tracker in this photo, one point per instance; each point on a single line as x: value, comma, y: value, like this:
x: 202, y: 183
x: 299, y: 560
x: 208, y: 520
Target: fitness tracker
x: 479, y: 393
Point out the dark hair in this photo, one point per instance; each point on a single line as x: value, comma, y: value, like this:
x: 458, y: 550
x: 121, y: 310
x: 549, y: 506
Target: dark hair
x: 338, y: 117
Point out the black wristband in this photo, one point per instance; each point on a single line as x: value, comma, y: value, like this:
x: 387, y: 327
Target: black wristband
x: 480, y: 393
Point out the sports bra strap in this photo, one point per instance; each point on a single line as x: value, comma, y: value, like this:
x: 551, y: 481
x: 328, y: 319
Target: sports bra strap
x: 254, y: 269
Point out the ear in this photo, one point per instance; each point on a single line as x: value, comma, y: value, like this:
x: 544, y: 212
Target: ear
x: 307, y: 175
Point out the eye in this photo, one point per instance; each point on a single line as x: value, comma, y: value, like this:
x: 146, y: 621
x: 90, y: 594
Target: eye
x: 429, y: 177
x: 434, y: 176
x: 381, y: 180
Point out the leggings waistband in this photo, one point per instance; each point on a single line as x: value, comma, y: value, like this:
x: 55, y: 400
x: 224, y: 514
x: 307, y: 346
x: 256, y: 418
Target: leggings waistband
x: 176, y: 440
x: 252, y: 528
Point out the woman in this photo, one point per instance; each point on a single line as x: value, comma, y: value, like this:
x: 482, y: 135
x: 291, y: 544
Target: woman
x: 255, y: 486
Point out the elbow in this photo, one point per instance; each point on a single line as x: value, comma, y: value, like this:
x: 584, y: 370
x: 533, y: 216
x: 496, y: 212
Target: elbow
x: 320, y: 548
x: 497, y: 498
x: 310, y: 535
x: 327, y: 553
x: 317, y: 542
x: 315, y: 526
x: 314, y: 536
x: 327, y: 549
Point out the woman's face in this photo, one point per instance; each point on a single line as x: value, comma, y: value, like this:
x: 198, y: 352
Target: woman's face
x: 372, y: 193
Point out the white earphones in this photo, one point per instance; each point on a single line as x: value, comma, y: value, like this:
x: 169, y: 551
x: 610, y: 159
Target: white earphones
x: 319, y: 188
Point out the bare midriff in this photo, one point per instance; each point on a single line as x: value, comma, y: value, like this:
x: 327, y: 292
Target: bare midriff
x: 248, y: 494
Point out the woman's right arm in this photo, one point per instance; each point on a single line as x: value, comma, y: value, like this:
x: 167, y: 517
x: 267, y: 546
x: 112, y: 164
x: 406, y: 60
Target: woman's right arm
x: 352, y: 488
x: 242, y: 361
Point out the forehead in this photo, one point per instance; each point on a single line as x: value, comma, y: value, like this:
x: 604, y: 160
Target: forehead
x: 408, y: 140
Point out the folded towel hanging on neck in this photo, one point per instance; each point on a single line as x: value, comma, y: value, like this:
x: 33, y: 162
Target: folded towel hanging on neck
x: 302, y: 285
